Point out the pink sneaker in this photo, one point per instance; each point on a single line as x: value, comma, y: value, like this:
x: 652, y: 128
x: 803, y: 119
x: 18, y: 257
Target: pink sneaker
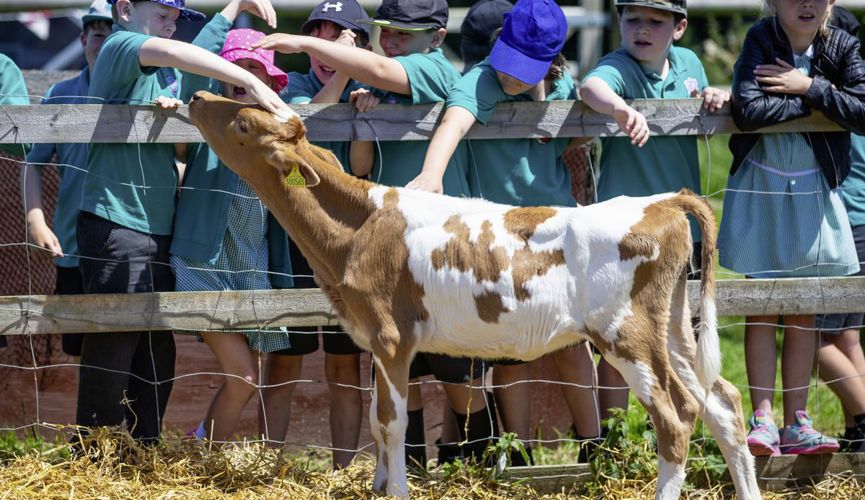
x: 763, y: 438
x: 801, y: 438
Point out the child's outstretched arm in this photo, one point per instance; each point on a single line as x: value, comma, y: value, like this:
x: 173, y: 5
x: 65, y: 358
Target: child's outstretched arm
x: 454, y: 126
x: 333, y: 89
x: 162, y: 52
x: 600, y: 97
x: 260, y: 8
x: 359, y: 64
x: 361, y: 154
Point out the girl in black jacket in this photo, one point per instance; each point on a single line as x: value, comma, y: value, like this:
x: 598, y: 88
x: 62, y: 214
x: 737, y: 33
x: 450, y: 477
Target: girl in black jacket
x: 782, y: 216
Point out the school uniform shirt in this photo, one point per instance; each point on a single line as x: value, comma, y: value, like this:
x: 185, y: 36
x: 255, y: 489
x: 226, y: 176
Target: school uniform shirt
x: 664, y: 164
x: 134, y: 185
x: 521, y: 172
x: 300, y: 90
x: 430, y: 76
x: 72, y: 164
x: 13, y: 91
x: 853, y: 188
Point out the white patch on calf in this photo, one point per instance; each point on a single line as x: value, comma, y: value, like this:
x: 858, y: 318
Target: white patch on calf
x: 639, y: 376
x: 671, y: 477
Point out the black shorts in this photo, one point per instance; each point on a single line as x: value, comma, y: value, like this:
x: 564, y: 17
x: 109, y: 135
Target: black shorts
x: 69, y: 282
x: 834, y: 324
x: 446, y: 368
x: 304, y: 340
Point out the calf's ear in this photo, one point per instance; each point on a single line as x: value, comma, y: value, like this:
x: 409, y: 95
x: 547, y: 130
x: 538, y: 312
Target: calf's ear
x: 293, y: 130
x: 296, y: 170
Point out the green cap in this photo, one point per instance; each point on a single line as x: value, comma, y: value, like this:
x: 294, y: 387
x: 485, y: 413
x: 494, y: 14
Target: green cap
x: 675, y: 6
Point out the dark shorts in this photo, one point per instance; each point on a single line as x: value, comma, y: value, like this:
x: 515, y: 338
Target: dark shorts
x: 69, y: 282
x: 834, y: 324
x: 304, y: 340
x: 446, y: 368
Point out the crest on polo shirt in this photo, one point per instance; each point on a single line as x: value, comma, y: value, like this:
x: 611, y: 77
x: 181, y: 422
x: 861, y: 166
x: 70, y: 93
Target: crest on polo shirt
x: 336, y: 6
x: 693, y: 86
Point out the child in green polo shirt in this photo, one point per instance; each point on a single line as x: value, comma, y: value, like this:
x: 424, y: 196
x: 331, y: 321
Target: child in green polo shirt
x: 648, y: 66
x: 322, y: 84
x: 127, y: 200
x: 415, y: 71
x: 525, y: 64
x: 12, y: 91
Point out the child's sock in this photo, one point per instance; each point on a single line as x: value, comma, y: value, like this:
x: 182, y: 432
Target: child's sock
x: 482, y: 427
x: 414, y: 435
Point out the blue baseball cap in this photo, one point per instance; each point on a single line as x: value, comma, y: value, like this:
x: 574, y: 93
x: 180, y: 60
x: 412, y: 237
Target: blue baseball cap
x: 345, y: 13
x: 532, y: 36
x: 185, y: 13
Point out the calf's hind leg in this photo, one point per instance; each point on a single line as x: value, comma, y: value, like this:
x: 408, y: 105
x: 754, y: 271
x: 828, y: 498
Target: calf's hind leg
x: 723, y: 414
x: 673, y: 411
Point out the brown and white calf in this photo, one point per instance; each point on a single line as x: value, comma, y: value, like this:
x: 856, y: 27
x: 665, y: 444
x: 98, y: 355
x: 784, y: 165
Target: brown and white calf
x: 409, y: 271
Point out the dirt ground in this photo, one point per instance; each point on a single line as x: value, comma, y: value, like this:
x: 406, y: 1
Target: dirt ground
x: 194, y: 389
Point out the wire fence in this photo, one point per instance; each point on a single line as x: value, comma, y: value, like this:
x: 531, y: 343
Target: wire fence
x: 39, y: 380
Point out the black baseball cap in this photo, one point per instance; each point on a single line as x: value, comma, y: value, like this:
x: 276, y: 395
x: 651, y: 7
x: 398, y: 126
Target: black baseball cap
x: 346, y: 13
x: 412, y: 15
x: 482, y: 20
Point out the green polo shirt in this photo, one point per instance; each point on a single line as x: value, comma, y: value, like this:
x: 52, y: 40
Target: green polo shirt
x: 513, y: 171
x: 300, y: 90
x: 12, y: 91
x: 664, y: 164
x: 134, y: 185
x: 430, y: 76
x: 853, y: 188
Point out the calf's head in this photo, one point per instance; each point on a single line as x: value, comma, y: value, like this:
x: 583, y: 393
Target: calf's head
x: 254, y: 143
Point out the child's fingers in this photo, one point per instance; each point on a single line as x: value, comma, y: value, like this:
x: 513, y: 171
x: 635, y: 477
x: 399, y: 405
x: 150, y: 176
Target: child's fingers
x: 270, y: 16
x: 783, y: 63
x: 629, y: 124
x: 640, y: 134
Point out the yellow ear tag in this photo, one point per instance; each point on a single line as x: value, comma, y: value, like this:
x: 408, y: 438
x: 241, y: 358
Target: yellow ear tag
x: 294, y: 178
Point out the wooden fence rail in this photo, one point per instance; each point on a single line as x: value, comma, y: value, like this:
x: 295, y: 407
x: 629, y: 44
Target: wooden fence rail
x: 205, y: 311
x: 94, y: 123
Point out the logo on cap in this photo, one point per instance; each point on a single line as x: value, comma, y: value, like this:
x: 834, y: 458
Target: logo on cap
x: 335, y: 6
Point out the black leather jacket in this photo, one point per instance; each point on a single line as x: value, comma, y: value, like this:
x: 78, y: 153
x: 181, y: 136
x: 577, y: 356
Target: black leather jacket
x: 837, y: 90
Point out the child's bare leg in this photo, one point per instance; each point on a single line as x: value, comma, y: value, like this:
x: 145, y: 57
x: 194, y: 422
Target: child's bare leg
x: 576, y: 366
x: 800, y: 346
x: 761, y: 360
x: 237, y: 362
x: 275, y: 412
x: 841, y: 376
x: 346, y: 406
x: 612, y: 389
x: 514, y: 402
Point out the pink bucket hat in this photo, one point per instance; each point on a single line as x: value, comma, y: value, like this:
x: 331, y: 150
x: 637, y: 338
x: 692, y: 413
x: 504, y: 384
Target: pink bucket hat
x: 238, y: 45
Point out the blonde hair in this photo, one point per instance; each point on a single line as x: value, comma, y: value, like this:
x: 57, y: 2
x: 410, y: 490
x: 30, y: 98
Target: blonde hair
x: 770, y: 10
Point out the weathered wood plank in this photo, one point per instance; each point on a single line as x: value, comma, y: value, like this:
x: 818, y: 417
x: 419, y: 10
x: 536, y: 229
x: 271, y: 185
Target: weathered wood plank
x: 293, y: 308
x: 795, y: 471
x: 773, y: 473
x: 334, y: 122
